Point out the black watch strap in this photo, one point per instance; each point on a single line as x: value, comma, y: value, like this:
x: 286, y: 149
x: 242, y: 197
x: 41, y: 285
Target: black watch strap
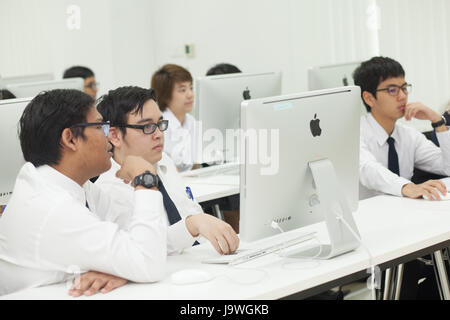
x: 147, y: 180
x: 439, y: 123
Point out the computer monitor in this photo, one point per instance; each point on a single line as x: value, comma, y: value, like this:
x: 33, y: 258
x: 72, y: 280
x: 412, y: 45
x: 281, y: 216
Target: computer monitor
x: 31, y: 89
x: 24, y: 79
x: 217, y: 108
x: 11, y: 157
x: 333, y: 76
x: 314, y: 170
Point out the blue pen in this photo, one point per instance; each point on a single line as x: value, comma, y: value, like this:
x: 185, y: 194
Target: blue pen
x: 189, y: 193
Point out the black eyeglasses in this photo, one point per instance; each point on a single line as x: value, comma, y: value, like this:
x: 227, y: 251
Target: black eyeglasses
x: 394, y: 90
x: 105, y: 126
x: 147, y: 128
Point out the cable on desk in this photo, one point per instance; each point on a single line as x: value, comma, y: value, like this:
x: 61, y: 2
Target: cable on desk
x: 275, y: 225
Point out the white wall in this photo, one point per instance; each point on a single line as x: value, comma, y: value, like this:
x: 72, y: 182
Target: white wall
x: 261, y: 35
x: 114, y: 39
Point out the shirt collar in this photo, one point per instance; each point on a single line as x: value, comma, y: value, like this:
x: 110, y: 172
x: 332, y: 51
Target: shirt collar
x: 56, y: 178
x: 173, y: 120
x: 381, y: 135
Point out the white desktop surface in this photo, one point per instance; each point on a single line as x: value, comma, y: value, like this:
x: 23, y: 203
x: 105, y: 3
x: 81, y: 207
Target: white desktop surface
x: 210, y: 187
x: 391, y: 227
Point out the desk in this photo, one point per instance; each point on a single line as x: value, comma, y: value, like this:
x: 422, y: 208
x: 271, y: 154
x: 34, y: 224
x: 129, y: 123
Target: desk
x: 395, y: 230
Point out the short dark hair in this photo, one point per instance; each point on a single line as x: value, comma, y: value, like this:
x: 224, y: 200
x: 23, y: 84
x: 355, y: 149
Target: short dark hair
x: 164, y: 80
x: 374, y: 71
x: 44, y: 120
x: 78, y: 72
x: 117, y: 104
x: 6, y: 94
x: 222, y: 68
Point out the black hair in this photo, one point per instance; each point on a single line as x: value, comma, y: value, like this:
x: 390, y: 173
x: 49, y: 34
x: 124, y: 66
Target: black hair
x: 78, y: 72
x: 374, y: 71
x: 44, y: 120
x: 222, y: 68
x: 6, y: 94
x: 117, y: 104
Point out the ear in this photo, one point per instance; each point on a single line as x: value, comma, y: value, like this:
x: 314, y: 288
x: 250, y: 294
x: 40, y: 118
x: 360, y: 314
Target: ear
x: 115, y: 137
x: 68, y: 140
x: 369, y: 99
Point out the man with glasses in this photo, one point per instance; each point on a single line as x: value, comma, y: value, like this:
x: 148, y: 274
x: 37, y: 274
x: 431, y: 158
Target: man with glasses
x: 90, y: 85
x: 390, y: 151
x: 137, y: 128
x: 58, y: 223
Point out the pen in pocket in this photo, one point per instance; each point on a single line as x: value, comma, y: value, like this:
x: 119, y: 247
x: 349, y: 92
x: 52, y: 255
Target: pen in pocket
x: 189, y: 193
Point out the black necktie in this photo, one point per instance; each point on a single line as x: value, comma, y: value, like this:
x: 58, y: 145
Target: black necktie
x: 171, y: 209
x: 393, y: 157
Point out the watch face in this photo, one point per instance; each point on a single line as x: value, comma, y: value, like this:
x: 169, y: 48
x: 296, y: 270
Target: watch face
x: 148, y: 179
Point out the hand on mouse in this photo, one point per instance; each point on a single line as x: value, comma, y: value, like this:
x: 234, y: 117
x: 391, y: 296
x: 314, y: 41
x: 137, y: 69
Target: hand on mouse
x: 219, y: 233
x: 431, y: 189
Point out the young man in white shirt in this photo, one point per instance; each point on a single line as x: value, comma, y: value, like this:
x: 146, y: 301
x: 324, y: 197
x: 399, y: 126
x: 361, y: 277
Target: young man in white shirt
x: 390, y: 150
x: 137, y: 127
x: 58, y: 223
x: 173, y: 89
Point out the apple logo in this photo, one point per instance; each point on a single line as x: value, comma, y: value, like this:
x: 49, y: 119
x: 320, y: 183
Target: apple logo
x: 246, y: 94
x: 315, y: 126
x: 345, y: 81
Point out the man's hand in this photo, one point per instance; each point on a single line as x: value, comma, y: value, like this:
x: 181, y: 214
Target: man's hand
x: 133, y: 166
x: 419, y: 111
x: 429, y: 189
x: 91, y: 282
x: 219, y: 233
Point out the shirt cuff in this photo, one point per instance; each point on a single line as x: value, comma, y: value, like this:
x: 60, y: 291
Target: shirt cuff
x: 148, y: 203
x: 398, y: 186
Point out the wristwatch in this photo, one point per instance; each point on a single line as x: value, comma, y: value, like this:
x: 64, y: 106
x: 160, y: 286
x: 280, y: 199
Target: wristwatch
x: 147, y: 180
x: 439, y: 123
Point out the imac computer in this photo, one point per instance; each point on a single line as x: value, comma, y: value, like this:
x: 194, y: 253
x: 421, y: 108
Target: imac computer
x: 316, y: 176
x: 333, y: 76
x: 31, y: 89
x: 11, y: 157
x: 217, y: 109
x: 23, y: 79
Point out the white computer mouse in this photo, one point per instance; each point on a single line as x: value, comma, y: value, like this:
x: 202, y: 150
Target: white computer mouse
x: 190, y: 276
x: 443, y: 196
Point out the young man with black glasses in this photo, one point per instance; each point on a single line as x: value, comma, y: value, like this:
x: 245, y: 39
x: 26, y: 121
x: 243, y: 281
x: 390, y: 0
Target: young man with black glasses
x: 390, y: 150
x: 57, y: 222
x: 137, y: 127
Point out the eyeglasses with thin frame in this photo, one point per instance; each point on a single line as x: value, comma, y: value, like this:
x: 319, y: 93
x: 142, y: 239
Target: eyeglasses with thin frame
x: 105, y: 126
x: 147, y: 128
x: 92, y: 85
x: 394, y: 90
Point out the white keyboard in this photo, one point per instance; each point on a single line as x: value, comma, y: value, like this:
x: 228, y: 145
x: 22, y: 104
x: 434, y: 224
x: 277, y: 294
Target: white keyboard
x: 227, y: 168
x: 260, y: 249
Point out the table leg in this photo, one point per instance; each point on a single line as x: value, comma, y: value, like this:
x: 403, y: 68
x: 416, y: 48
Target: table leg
x: 442, y: 275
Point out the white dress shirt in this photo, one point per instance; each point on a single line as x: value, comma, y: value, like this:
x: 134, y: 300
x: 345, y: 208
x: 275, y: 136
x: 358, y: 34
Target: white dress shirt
x: 180, y: 140
x: 47, y: 232
x: 413, y: 149
x: 178, y: 236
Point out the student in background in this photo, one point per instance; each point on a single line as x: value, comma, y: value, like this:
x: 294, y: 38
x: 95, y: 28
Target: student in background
x: 137, y: 129
x: 90, y: 85
x: 6, y: 94
x: 390, y: 151
x: 173, y: 87
x: 57, y: 222
x: 222, y: 68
